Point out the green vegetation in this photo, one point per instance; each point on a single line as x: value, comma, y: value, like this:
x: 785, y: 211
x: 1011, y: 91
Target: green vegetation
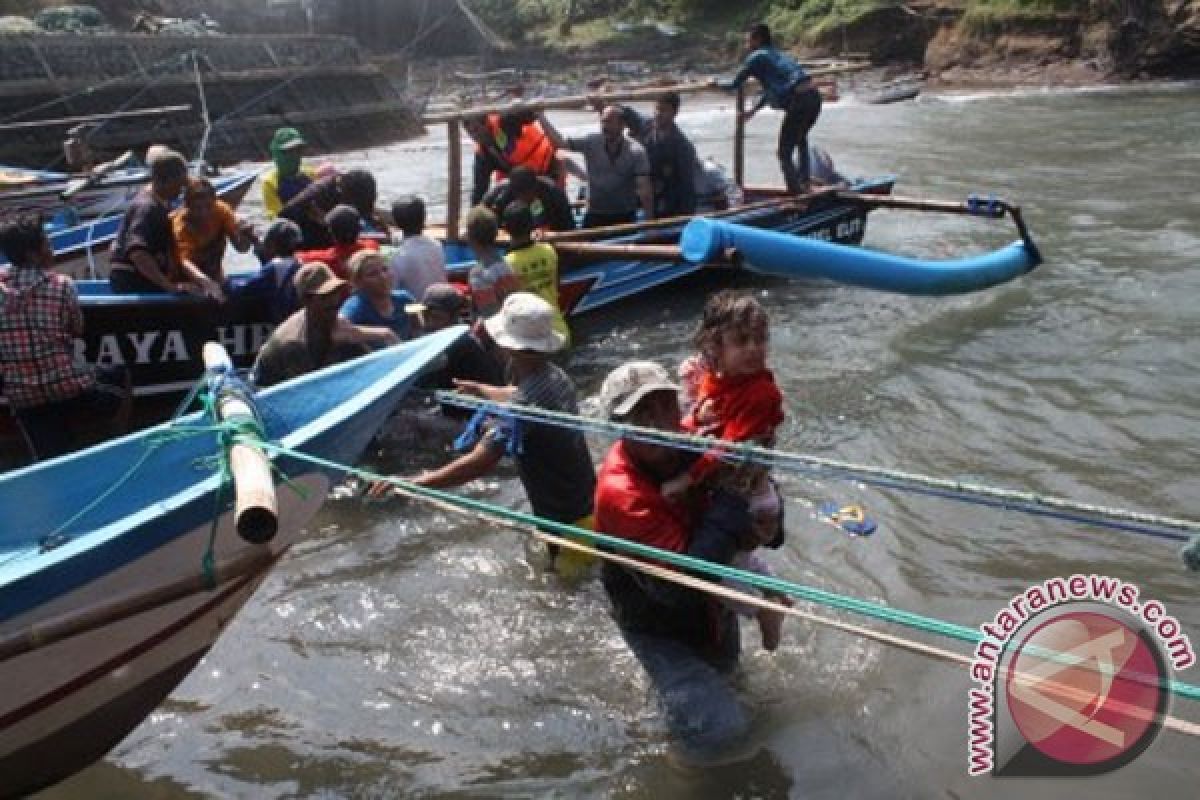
x: 984, y: 17
x: 795, y: 21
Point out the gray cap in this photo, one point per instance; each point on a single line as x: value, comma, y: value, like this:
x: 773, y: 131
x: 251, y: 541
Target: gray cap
x: 626, y: 385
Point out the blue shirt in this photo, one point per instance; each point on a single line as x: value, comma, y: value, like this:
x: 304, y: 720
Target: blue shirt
x: 359, y: 310
x: 778, y: 73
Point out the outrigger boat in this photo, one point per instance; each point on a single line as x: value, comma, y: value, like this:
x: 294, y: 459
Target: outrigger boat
x: 81, y: 245
x: 160, y: 336
x: 120, y: 565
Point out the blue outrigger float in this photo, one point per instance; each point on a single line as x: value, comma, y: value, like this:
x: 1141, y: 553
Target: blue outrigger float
x: 121, y: 564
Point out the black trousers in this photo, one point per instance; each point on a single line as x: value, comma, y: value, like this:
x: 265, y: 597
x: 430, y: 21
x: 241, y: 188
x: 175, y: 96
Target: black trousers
x: 798, y: 118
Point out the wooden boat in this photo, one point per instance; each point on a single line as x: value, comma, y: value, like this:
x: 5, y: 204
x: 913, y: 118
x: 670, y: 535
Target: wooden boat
x: 120, y: 564
x: 641, y: 256
x: 81, y: 247
x: 894, y: 92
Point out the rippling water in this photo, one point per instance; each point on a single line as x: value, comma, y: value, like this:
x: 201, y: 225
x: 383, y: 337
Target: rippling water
x: 399, y: 652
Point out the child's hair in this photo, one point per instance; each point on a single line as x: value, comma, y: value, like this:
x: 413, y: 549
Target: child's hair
x: 727, y: 311
x: 481, y: 226
x: 409, y: 215
x: 518, y: 221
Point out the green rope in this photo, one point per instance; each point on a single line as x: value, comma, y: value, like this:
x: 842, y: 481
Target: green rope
x: 812, y: 594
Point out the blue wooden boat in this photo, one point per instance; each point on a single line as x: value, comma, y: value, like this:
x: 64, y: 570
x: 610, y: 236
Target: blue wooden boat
x: 81, y: 246
x: 120, y: 565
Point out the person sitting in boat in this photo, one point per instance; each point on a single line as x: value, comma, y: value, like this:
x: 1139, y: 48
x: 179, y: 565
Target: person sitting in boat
x: 145, y: 255
x: 491, y: 279
x: 548, y: 202
x: 418, y: 260
x: 731, y: 395
x: 288, y: 176
x: 672, y: 155
x: 553, y: 462
x: 374, y: 302
x: 467, y: 359
x: 787, y: 87
x: 534, y: 263
x: 618, y: 171
x: 204, y: 225
x: 686, y: 640
x: 309, y: 208
x: 315, y: 336
x: 49, y: 391
x: 505, y: 141
x: 345, y: 225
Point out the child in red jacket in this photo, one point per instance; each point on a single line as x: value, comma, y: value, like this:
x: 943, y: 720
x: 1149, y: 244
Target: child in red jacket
x: 730, y: 394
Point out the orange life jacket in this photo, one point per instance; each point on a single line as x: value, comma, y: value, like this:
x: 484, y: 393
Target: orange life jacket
x: 531, y: 148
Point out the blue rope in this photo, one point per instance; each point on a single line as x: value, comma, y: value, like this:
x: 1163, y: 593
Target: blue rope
x: 743, y: 454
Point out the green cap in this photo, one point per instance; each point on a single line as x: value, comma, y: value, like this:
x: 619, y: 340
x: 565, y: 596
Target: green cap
x: 286, y: 139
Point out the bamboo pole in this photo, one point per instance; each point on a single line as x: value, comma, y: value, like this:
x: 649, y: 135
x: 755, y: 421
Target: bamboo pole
x: 80, y: 621
x: 588, y: 100
x: 785, y: 203
x: 255, y: 509
x: 996, y: 209
x: 454, y: 188
x: 739, y: 139
x: 590, y: 252
x: 139, y: 112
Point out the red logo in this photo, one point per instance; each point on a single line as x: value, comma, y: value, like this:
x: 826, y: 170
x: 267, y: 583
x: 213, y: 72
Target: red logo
x: 1086, y: 691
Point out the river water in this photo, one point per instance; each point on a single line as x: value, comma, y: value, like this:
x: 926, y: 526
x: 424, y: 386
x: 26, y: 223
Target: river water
x: 398, y: 652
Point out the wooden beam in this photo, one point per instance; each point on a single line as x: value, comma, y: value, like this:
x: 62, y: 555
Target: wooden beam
x: 739, y: 139
x: 139, y: 112
x: 454, y: 187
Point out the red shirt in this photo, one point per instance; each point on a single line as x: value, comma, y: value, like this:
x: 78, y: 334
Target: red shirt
x: 337, y: 258
x: 745, y: 408
x: 630, y: 504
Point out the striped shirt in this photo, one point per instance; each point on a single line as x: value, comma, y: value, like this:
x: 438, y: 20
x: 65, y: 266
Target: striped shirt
x: 554, y: 462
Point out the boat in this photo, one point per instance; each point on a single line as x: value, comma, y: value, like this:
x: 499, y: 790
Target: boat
x: 121, y: 564
x: 642, y: 256
x: 81, y: 245
x: 894, y: 92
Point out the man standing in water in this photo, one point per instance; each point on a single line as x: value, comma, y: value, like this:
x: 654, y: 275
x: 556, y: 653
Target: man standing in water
x: 787, y: 87
x: 553, y: 462
x: 686, y: 640
x: 288, y: 176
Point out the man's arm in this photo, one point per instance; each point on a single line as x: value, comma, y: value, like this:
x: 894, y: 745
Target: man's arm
x: 147, y: 267
x: 552, y: 133
x: 685, y: 175
x: 645, y: 191
x: 480, y: 461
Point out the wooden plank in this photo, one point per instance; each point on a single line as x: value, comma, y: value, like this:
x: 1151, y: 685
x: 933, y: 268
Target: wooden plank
x: 454, y: 188
x: 140, y: 112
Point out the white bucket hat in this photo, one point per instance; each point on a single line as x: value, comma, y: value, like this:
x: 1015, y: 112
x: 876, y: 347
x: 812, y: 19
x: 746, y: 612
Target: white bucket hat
x: 626, y: 385
x: 525, y: 322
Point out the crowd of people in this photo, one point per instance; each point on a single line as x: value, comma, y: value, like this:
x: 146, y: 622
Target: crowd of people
x: 335, y: 293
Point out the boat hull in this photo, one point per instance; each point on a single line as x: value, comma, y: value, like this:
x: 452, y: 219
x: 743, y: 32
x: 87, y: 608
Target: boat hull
x: 81, y: 250
x: 585, y: 287
x: 99, y: 623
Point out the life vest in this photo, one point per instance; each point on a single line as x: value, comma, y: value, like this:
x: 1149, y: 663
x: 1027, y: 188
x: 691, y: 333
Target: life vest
x: 531, y: 148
